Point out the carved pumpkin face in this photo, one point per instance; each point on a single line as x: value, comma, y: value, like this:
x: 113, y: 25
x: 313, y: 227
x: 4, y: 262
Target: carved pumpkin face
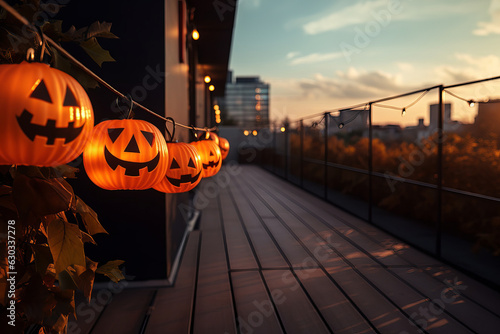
x: 224, y: 147
x: 46, y: 117
x: 184, y: 169
x: 126, y: 154
x: 210, y: 156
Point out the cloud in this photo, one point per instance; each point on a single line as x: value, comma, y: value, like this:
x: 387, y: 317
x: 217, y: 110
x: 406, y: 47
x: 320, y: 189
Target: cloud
x: 292, y: 54
x: 314, y: 58
x: 470, y: 68
x: 406, y: 67
x: 354, y: 84
x: 354, y: 14
x: 492, y: 27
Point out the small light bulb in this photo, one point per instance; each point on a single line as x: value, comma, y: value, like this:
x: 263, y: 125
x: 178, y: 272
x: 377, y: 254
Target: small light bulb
x: 195, y: 34
x: 403, y: 112
x: 211, y: 88
x: 254, y: 132
x: 341, y: 125
x: 207, y: 79
x: 283, y: 129
x: 471, y: 103
x: 246, y: 133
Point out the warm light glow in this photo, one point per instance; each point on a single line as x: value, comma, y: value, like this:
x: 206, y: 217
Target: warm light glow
x: 257, y: 90
x: 283, y: 129
x: 216, y: 107
x: 77, y: 114
x: 254, y: 132
x: 217, y: 120
x: 257, y: 97
x: 217, y: 112
x: 71, y: 114
x: 258, y: 107
x: 211, y: 88
x: 207, y: 79
x: 246, y: 133
x: 196, y: 34
x: 472, y: 103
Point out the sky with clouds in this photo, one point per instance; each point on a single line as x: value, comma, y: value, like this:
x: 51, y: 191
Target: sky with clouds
x: 321, y: 55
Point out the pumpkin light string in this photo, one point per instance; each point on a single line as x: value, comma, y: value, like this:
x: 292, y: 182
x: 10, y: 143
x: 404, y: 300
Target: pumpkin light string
x: 101, y: 81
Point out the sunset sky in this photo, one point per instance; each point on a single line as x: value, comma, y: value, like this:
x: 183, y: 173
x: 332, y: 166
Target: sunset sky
x: 320, y: 55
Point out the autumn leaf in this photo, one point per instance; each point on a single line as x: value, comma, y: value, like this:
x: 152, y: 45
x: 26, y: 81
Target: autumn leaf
x: 112, y: 270
x: 98, y: 29
x: 43, y: 257
x: 85, y: 277
x: 41, y: 196
x: 67, y: 171
x: 95, y: 51
x: 89, y: 218
x: 66, y: 246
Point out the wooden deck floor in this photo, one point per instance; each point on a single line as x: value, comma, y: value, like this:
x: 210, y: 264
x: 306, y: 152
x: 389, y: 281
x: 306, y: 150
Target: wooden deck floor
x: 271, y: 258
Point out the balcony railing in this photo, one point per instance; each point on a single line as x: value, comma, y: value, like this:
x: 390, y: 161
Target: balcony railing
x: 434, y: 184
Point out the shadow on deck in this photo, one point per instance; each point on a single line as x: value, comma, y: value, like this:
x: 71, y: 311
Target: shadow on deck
x: 271, y: 258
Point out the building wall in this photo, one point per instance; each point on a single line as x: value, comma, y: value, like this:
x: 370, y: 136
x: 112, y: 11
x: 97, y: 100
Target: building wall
x: 177, y: 78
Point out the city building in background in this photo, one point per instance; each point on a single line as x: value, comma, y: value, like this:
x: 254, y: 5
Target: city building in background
x: 246, y: 103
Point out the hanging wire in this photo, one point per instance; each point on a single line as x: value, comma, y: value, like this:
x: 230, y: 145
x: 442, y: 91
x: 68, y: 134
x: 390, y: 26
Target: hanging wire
x: 470, y: 101
x: 343, y: 123
x: 101, y: 81
x: 405, y: 108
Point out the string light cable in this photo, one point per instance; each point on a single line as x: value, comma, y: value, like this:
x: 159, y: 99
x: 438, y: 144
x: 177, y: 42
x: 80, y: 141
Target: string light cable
x: 75, y: 61
x: 405, y: 108
x: 342, y: 122
x: 469, y: 101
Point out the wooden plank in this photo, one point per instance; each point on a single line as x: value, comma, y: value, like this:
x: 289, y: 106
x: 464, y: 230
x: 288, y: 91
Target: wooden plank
x: 380, y: 312
x: 338, y: 311
x: 238, y: 247
x: 469, y: 313
x: 174, y: 305
x: 126, y: 312
x: 256, y: 313
x: 297, y: 313
x: 213, y: 311
x: 297, y: 202
x: 295, y: 253
x: 268, y: 254
x: 476, y: 291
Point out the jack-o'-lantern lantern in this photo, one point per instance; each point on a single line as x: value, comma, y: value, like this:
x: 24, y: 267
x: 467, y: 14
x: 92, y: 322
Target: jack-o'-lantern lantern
x: 126, y: 154
x: 224, y: 147
x: 211, y: 158
x: 184, y: 169
x: 209, y: 135
x: 46, y: 117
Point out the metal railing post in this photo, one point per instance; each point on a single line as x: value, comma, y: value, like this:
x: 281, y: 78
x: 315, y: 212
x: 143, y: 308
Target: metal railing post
x: 286, y: 153
x: 370, y: 165
x: 302, y: 153
x: 439, y: 220
x: 327, y: 116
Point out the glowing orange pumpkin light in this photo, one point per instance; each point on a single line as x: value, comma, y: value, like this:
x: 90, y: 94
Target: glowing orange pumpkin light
x: 210, y: 156
x: 46, y: 117
x: 224, y: 147
x: 209, y: 135
x: 126, y: 154
x: 184, y: 171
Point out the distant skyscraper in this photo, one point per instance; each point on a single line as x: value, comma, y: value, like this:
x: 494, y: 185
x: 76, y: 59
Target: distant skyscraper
x: 434, y: 113
x: 246, y: 103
